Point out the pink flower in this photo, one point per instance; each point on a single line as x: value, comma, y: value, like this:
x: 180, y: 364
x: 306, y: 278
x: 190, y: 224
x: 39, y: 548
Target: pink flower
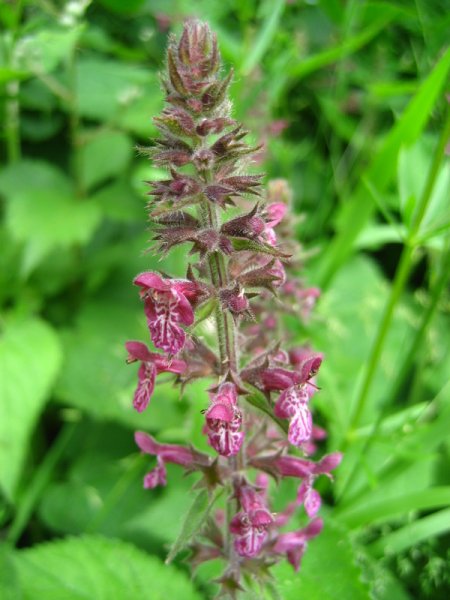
x: 223, y: 421
x: 151, y: 364
x: 166, y: 453
x: 290, y: 466
x: 250, y: 525
x: 275, y: 213
x: 296, y: 392
x: 167, y: 303
x: 293, y: 405
x: 309, y: 497
x: 294, y: 543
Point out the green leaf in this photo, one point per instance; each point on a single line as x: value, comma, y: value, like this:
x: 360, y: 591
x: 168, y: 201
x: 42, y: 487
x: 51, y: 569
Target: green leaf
x: 105, y: 155
x: 42, y: 210
x: 97, y: 568
x: 328, y: 571
x: 393, y: 543
x: 46, y: 49
x: 193, y: 521
x: 30, y: 357
x: 9, y: 584
x: 119, y: 93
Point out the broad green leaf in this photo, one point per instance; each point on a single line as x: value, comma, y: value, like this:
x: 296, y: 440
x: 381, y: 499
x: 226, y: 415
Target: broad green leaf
x: 44, y: 50
x: 97, y: 568
x: 105, y: 155
x: 9, y: 584
x: 118, y: 202
x: 328, y: 571
x: 42, y: 210
x: 30, y: 357
x: 112, y: 91
x: 193, y: 521
x: 427, y: 527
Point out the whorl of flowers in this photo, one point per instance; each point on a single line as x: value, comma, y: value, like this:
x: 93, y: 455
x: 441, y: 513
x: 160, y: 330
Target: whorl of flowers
x: 258, y: 421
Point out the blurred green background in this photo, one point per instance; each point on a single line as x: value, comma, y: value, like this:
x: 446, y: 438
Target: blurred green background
x: 349, y: 99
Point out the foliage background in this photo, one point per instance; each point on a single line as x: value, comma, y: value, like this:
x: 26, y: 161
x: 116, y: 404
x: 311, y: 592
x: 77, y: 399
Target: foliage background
x: 350, y: 100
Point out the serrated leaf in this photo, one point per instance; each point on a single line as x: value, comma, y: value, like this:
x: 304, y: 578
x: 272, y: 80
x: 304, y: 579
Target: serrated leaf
x: 30, y: 357
x: 193, y: 521
x: 97, y: 568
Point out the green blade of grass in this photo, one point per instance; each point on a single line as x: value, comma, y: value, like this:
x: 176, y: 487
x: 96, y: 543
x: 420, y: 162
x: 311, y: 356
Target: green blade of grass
x: 383, y: 510
x: 345, y: 48
x: 265, y: 37
x: 356, y: 212
x: 436, y: 524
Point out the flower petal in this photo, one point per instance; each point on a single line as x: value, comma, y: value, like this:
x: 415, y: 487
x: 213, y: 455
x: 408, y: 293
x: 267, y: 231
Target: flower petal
x: 145, y: 387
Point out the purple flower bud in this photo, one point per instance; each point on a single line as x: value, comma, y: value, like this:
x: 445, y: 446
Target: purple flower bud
x: 234, y: 300
x: 328, y: 463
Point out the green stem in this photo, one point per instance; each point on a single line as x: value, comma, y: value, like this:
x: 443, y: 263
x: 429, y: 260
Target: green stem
x: 39, y: 482
x: 401, y: 277
x: 438, y: 288
x: 74, y: 126
x: 226, y: 333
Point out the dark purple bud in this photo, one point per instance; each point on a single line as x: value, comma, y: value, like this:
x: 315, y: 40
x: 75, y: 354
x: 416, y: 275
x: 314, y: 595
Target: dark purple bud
x: 215, y: 125
x: 248, y: 226
x: 234, y: 300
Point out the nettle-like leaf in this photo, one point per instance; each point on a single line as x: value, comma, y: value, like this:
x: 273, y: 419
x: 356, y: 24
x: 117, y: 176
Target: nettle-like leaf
x: 30, y: 356
x: 96, y: 568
